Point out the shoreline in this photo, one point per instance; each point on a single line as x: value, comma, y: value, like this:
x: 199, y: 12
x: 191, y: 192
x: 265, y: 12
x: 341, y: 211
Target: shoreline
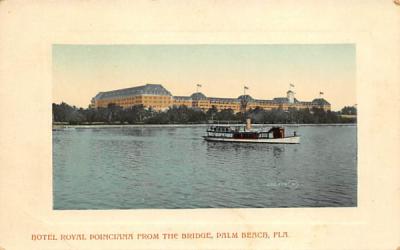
x: 59, y: 126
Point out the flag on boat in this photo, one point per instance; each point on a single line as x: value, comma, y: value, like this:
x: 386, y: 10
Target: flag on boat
x: 245, y: 87
x: 291, y: 85
x: 321, y: 93
x: 199, y: 85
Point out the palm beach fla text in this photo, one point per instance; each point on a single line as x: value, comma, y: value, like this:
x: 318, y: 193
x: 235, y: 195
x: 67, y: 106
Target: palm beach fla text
x: 158, y: 236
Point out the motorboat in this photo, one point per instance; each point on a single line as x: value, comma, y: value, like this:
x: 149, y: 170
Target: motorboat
x: 245, y: 133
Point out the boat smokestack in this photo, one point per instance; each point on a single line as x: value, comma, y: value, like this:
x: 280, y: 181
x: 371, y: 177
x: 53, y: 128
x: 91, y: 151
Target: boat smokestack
x: 248, y: 124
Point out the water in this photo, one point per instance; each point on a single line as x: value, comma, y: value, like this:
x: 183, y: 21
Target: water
x: 173, y: 167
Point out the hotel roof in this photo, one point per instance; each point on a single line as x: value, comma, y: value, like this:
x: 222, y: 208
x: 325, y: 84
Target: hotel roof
x: 320, y: 101
x: 245, y: 98
x: 220, y: 99
x: 186, y: 98
x: 148, y: 89
x: 282, y: 100
x: 198, y: 96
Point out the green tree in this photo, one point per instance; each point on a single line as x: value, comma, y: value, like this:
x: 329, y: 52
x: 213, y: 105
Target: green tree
x: 349, y: 110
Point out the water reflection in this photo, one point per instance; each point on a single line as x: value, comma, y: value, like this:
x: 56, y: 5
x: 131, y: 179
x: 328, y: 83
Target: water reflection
x: 213, y: 147
x: 278, y: 150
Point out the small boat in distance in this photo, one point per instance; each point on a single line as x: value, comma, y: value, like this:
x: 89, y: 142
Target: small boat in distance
x: 244, y: 133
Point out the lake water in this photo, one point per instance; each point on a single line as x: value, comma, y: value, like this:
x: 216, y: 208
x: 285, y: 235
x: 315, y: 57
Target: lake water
x: 173, y: 167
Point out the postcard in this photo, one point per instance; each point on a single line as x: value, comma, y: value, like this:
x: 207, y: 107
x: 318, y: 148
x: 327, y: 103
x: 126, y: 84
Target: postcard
x: 199, y: 125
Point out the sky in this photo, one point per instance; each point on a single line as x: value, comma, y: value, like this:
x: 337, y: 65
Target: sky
x: 81, y: 71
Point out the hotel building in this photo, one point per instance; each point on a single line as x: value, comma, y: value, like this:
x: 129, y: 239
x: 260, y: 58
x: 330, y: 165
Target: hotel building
x: 158, y: 98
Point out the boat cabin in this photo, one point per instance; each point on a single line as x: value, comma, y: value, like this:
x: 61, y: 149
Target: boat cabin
x: 277, y: 132
x: 240, y: 132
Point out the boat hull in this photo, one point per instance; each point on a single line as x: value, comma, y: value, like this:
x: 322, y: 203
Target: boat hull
x: 285, y: 140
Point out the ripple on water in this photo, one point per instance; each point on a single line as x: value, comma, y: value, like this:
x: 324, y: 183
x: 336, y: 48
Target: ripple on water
x: 130, y: 167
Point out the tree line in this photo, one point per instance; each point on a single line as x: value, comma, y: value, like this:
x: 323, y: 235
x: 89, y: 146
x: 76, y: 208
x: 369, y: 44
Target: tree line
x: 113, y: 114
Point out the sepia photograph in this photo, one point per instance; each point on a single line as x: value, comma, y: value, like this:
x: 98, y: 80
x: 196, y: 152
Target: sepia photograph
x: 177, y: 126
